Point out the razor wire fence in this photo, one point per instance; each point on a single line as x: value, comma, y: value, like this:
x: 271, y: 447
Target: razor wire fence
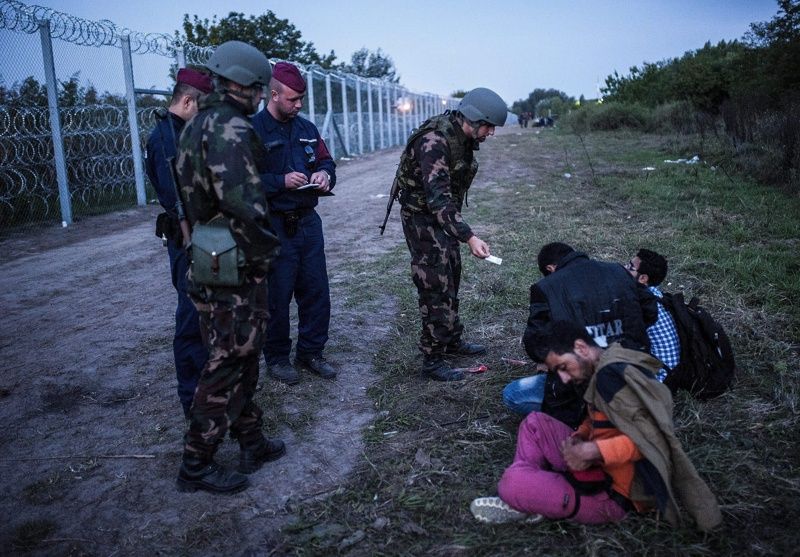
x: 68, y: 149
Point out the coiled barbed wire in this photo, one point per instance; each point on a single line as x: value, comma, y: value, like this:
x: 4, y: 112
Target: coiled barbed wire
x: 96, y: 137
x: 97, y: 149
x: 25, y: 18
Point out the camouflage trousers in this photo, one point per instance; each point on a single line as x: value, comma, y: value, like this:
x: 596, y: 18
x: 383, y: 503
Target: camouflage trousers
x: 232, y: 324
x: 436, y: 272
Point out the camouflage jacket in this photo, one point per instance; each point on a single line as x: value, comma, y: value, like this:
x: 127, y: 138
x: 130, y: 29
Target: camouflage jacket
x: 218, y: 174
x: 435, y: 172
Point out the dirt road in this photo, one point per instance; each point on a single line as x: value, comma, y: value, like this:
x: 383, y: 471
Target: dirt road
x: 93, y: 427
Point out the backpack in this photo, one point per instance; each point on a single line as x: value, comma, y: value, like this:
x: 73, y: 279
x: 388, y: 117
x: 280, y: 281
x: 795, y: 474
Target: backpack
x: 707, y: 366
x: 563, y: 401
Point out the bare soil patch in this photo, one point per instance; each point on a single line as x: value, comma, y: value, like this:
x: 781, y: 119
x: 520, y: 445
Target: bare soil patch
x: 92, y: 425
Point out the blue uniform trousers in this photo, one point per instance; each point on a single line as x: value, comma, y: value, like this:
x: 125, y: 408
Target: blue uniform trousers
x: 187, y: 346
x: 300, y: 272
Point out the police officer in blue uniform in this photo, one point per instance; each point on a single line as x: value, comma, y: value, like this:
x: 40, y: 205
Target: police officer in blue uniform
x: 187, y: 345
x: 300, y: 170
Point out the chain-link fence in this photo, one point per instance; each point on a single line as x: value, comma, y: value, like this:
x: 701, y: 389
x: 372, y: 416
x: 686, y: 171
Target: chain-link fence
x: 68, y: 149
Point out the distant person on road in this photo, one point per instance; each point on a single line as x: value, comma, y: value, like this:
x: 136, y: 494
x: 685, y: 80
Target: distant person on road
x: 624, y: 457
x: 218, y: 170
x: 597, y: 295
x: 187, y: 345
x: 436, y: 170
x: 649, y: 268
x: 299, y: 169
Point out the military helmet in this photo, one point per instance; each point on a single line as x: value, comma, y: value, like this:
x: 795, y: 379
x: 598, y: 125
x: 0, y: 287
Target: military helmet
x: 482, y: 104
x: 241, y: 63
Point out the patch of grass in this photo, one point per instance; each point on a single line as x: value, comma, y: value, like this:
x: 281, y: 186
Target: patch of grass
x: 434, y: 447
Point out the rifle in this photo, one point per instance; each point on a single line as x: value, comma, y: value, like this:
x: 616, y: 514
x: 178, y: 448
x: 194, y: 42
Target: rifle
x: 393, y: 194
x: 186, y: 230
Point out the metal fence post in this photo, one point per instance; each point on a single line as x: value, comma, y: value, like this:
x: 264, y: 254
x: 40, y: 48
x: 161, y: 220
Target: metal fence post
x: 358, y: 115
x: 55, y: 123
x: 371, y: 116
x: 380, y: 116
x: 312, y: 111
x: 390, y: 141
x: 395, y: 97
x: 406, y: 113
x: 180, y: 57
x: 136, y: 146
x: 326, y: 126
x: 345, y: 116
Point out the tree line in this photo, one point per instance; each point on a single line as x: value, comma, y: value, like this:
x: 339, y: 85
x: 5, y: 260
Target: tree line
x: 741, y: 97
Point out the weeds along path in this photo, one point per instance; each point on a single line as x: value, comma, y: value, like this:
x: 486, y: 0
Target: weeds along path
x: 92, y: 425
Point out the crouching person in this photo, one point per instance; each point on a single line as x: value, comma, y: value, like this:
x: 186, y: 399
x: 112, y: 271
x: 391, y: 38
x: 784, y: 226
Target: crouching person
x: 624, y: 457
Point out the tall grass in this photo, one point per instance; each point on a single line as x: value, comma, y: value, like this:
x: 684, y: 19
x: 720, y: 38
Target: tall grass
x: 435, y: 446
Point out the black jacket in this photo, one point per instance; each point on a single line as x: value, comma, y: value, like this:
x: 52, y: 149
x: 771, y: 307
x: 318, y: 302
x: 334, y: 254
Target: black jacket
x: 601, y: 296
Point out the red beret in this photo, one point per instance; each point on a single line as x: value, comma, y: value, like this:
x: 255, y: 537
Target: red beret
x: 289, y: 75
x: 199, y: 81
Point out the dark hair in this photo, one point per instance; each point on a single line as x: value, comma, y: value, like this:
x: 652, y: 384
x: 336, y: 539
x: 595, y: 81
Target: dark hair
x: 561, y: 337
x: 653, y: 265
x: 551, y: 254
x: 182, y: 89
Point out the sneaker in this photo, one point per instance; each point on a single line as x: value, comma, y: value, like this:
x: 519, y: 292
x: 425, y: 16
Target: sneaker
x: 317, y: 365
x: 463, y: 348
x: 284, y: 372
x: 494, y: 510
x: 437, y: 369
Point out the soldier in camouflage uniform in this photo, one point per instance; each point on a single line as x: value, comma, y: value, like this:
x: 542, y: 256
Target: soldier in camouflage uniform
x: 219, y: 176
x: 436, y: 169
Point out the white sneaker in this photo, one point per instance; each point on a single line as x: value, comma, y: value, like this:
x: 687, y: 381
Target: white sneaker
x: 495, y: 511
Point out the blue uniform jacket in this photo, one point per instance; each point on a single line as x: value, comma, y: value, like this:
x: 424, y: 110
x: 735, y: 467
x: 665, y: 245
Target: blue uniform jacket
x: 287, y: 153
x: 160, y: 147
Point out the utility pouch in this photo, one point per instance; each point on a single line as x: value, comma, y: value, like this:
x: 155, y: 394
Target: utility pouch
x: 216, y: 259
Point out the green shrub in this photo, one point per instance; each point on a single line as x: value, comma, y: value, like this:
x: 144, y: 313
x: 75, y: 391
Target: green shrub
x: 609, y: 116
x: 673, y: 117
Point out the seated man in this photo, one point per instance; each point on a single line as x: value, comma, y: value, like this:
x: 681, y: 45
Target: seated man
x: 598, y: 295
x: 627, y: 442
x: 650, y: 269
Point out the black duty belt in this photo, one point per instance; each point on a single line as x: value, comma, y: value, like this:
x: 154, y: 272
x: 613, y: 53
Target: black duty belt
x: 299, y: 213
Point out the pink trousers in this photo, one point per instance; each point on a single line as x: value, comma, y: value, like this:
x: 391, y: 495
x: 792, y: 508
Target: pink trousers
x: 533, y: 484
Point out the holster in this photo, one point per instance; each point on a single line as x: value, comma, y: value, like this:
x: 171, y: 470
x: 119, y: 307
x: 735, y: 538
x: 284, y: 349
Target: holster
x: 216, y: 258
x: 168, y: 228
x: 290, y: 220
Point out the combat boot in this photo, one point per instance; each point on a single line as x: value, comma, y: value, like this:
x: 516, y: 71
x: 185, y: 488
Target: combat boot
x: 254, y: 455
x: 318, y: 365
x: 437, y: 369
x: 207, y: 475
x: 464, y: 348
x: 284, y: 373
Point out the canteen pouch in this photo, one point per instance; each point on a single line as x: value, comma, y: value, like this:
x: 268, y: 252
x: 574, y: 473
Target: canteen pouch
x: 216, y: 259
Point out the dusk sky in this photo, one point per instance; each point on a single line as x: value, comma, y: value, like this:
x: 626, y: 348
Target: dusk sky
x: 512, y: 46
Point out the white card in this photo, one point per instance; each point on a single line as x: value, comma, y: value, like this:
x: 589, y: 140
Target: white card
x: 495, y: 260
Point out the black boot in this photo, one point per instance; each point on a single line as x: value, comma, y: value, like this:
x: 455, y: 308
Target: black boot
x: 207, y: 475
x: 464, y: 348
x: 254, y: 455
x: 436, y: 368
